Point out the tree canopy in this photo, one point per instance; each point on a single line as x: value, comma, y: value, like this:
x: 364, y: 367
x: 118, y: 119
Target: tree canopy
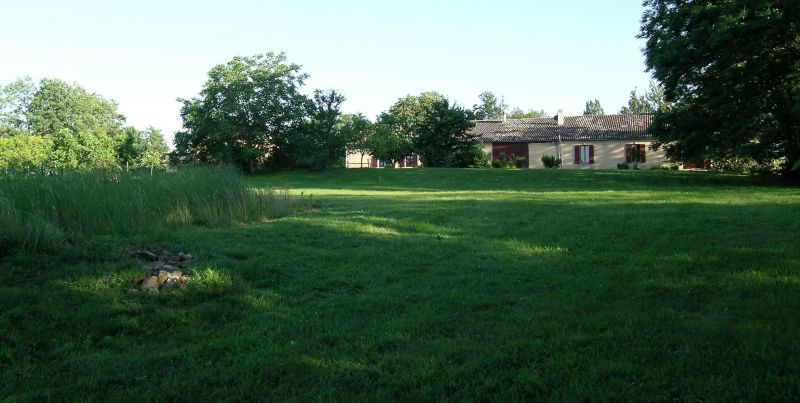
x: 732, y: 71
x: 490, y: 107
x: 52, y: 126
x: 430, y: 126
x: 518, y: 113
x: 593, y: 108
x: 247, y: 112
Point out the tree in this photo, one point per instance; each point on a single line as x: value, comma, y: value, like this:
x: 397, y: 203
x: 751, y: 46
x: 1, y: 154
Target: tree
x: 387, y: 144
x: 15, y: 99
x: 732, y: 97
x: 355, y: 129
x: 131, y: 147
x: 153, y: 159
x: 85, y: 128
x: 323, y: 144
x: 248, y: 112
x: 24, y: 153
x: 490, y: 107
x: 442, y: 137
x: 518, y: 113
x: 437, y: 130
x: 593, y: 108
x: 637, y: 104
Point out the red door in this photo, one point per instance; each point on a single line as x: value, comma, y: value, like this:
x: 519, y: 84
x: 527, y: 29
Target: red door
x: 512, y: 150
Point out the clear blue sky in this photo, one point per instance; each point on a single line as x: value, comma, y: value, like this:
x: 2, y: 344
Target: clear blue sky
x: 145, y: 54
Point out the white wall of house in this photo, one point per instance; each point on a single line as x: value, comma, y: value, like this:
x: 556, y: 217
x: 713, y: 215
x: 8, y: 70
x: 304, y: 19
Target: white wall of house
x: 357, y: 160
x: 607, y: 154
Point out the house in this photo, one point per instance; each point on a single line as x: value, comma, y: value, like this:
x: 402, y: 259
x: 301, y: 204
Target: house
x: 358, y: 160
x: 582, y: 142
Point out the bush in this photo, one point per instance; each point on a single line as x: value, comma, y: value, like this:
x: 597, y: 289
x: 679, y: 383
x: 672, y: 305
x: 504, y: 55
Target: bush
x: 497, y: 164
x: 519, y: 162
x: 471, y: 157
x: 550, y: 161
x: 623, y: 166
x: 502, y: 158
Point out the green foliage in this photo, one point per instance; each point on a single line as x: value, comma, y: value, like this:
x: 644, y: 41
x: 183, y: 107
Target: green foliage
x: 490, y: 107
x: 623, y: 166
x: 518, y: 113
x: 24, y: 153
x: 593, y: 108
x: 473, y: 157
x: 497, y: 164
x: 321, y: 142
x: 519, y: 162
x: 355, y: 129
x: 637, y: 104
x: 550, y: 161
x: 387, y: 144
x: 83, y: 126
x: 35, y: 209
x: 430, y: 126
x: 732, y: 97
x: 250, y: 110
x: 15, y: 100
x: 56, y: 127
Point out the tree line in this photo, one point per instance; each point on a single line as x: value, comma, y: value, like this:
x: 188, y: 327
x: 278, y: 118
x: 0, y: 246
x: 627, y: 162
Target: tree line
x: 251, y: 113
x: 714, y: 96
x: 52, y: 126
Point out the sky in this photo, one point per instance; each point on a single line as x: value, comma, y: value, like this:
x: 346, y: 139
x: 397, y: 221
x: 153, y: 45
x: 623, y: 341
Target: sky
x: 145, y: 54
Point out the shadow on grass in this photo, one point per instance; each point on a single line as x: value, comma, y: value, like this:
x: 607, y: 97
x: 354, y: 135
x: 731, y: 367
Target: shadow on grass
x: 432, y: 299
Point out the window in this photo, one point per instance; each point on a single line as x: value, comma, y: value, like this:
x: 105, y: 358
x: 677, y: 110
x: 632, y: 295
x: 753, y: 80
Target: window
x: 410, y: 161
x: 629, y: 151
x: 584, y: 154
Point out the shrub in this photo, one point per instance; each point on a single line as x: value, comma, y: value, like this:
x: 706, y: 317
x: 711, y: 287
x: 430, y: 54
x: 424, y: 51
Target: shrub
x: 497, y: 164
x: 623, y: 166
x: 550, y: 161
x: 519, y: 162
x: 502, y: 158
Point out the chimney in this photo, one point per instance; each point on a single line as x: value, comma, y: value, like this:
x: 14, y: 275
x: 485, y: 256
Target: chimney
x: 560, y: 117
x: 504, y: 116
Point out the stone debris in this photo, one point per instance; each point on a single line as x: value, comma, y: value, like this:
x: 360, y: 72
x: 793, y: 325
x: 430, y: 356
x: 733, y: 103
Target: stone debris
x: 167, y: 271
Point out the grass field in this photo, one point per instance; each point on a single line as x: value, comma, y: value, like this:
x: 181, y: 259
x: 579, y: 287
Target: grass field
x: 431, y: 284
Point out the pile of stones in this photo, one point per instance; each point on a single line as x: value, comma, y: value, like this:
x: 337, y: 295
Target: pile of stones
x: 168, y: 271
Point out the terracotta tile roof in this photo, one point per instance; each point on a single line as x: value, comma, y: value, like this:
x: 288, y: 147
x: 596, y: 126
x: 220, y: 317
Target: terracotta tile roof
x: 546, y: 130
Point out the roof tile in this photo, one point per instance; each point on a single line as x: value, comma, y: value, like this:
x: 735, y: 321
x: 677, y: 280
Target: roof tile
x: 546, y: 130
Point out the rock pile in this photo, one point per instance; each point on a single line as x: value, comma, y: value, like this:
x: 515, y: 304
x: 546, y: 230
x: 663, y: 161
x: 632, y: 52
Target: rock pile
x: 168, y: 271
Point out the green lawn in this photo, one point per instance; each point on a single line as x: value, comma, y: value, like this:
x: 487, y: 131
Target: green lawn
x: 433, y: 284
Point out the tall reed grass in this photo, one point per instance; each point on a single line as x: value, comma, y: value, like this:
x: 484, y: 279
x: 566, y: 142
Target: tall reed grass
x: 37, y: 212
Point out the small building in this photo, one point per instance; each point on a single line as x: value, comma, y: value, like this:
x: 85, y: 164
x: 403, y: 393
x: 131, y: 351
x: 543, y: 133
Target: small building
x: 582, y: 142
x: 358, y: 160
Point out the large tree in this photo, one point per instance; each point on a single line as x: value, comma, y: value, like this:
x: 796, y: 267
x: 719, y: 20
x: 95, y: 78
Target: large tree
x: 15, y: 99
x: 490, y: 107
x: 249, y: 111
x: 84, y: 127
x: 732, y: 70
x: 322, y: 144
x: 593, y: 108
x: 437, y: 129
x: 442, y: 139
x: 637, y: 104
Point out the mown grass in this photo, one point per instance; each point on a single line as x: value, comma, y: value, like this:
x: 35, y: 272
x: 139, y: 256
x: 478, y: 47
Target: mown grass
x: 434, y: 284
x: 38, y: 212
